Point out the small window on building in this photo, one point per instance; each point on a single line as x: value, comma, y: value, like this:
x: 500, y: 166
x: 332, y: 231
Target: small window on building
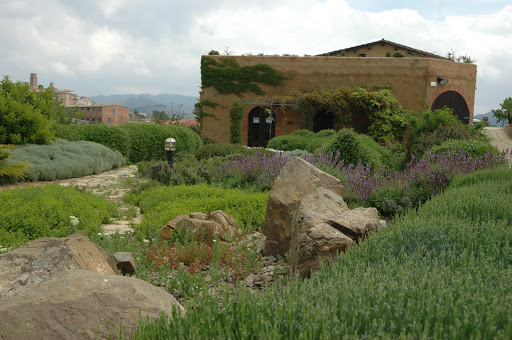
x: 109, y: 121
x: 93, y: 119
x: 362, y: 55
x: 99, y: 119
x: 113, y: 111
x: 87, y: 118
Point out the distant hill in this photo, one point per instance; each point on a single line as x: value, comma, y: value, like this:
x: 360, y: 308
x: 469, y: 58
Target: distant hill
x: 147, y: 102
x: 492, y: 119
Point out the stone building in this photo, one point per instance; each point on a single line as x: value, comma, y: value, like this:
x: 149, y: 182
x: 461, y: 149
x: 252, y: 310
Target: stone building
x: 68, y: 97
x: 108, y: 114
x: 416, y: 78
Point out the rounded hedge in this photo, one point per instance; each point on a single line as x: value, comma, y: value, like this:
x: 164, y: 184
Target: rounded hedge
x: 136, y: 142
x: 302, y: 140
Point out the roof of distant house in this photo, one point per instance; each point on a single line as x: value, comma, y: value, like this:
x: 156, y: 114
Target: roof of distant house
x: 184, y: 122
x: 98, y: 105
x: 384, y: 42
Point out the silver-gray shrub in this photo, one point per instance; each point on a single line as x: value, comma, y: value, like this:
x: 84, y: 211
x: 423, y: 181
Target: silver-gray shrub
x: 63, y: 159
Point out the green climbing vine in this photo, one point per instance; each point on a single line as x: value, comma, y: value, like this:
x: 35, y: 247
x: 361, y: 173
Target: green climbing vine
x: 201, y: 114
x: 348, y: 105
x: 236, y: 114
x: 227, y: 76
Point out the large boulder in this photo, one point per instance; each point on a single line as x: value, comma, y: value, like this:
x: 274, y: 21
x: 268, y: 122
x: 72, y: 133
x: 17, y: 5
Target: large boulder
x: 296, y: 179
x: 31, y: 264
x: 79, y: 304
x: 323, y: 228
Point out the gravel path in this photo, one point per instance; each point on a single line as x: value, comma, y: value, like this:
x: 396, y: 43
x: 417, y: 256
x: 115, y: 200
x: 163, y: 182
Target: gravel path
x: 500, y: 139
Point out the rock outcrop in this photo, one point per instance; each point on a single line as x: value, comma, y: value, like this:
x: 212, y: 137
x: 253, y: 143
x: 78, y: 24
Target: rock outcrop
x: 306, y: 215
x: 323, y: 228
x: 200, y: 226
x: 69, y: 288
x: 79, y: 304
x: 31, y: 264
x: 297, y: 179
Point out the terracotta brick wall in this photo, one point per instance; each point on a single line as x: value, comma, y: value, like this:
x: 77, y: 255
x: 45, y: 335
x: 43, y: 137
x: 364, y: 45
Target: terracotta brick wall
x: 96, y: 113
x: 410, y: 79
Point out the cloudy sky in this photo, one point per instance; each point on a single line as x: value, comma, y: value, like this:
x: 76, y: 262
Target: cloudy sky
x: 154, y: 46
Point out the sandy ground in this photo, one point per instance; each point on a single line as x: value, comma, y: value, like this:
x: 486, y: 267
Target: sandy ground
x: 500, y: 139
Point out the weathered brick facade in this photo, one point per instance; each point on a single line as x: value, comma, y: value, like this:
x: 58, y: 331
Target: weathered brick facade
x: 414, y: 81
x: 108, y: 114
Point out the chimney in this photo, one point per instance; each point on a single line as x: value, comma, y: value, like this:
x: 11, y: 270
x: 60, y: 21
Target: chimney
x: 33, y: 81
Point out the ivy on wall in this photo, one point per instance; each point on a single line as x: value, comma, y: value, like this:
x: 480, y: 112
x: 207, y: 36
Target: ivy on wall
x: 200, y: 115
x: 347, y: 105
x: 236, y: 114
x: 227, y: 76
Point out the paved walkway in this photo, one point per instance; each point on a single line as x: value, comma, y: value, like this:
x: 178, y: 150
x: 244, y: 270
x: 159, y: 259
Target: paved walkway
x: 111, y: 184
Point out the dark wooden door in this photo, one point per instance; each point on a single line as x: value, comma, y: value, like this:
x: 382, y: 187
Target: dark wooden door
x: 262, y: 127
x: 323, y: 120
x: 454, y: 101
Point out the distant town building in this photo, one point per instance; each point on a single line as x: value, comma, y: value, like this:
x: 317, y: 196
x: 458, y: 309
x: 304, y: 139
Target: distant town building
x: 108, y: 114
x: 68, y: 97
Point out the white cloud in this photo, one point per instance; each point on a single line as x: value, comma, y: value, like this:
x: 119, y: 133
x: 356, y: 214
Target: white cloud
x: 98, y: 47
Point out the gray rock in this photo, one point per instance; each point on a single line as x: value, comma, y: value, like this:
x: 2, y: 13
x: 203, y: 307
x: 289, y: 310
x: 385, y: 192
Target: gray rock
x: 249, y: 280
x: 80, y: 304
x: 29, y: 265
x: 125, y: 262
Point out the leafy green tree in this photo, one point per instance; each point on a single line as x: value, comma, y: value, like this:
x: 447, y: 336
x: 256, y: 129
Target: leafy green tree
x: 159, y: 117
x: 504, y: 115
x: 26, y: 115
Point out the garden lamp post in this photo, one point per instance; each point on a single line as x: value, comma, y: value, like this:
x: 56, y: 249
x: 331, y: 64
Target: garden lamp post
x: 170, y: 147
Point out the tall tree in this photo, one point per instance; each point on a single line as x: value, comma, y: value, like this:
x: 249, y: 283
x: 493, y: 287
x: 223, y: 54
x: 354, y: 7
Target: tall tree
x: 504, y: 115
x: 26, y: 115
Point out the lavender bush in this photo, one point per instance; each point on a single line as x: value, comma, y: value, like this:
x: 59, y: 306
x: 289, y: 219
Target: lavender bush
x: 359, y: 180
x: 421, y: 179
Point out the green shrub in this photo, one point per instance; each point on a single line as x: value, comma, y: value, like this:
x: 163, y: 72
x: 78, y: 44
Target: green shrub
x: 63, y: 159
x: 441, y: 272
x: 443, y: 133
x: 45, y: 211
x: 427, y: 123
x: 349, y: 147
x: 10, y: 173
x: 136, y: 142
x: 161, y: 204
x: 222, y: 150
x: 471, y: 147
x: 302, y: 140
x: 389, y: 201
x: 108, y: 135
x: 148, y: 141
x: 376, y: 155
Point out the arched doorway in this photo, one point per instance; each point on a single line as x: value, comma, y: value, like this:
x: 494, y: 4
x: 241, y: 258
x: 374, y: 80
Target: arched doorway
x: 262, y: 127
x: 323, y: 120
x: 454, y: 101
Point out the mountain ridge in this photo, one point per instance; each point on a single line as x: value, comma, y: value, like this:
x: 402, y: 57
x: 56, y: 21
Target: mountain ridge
x: 144, y: 102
